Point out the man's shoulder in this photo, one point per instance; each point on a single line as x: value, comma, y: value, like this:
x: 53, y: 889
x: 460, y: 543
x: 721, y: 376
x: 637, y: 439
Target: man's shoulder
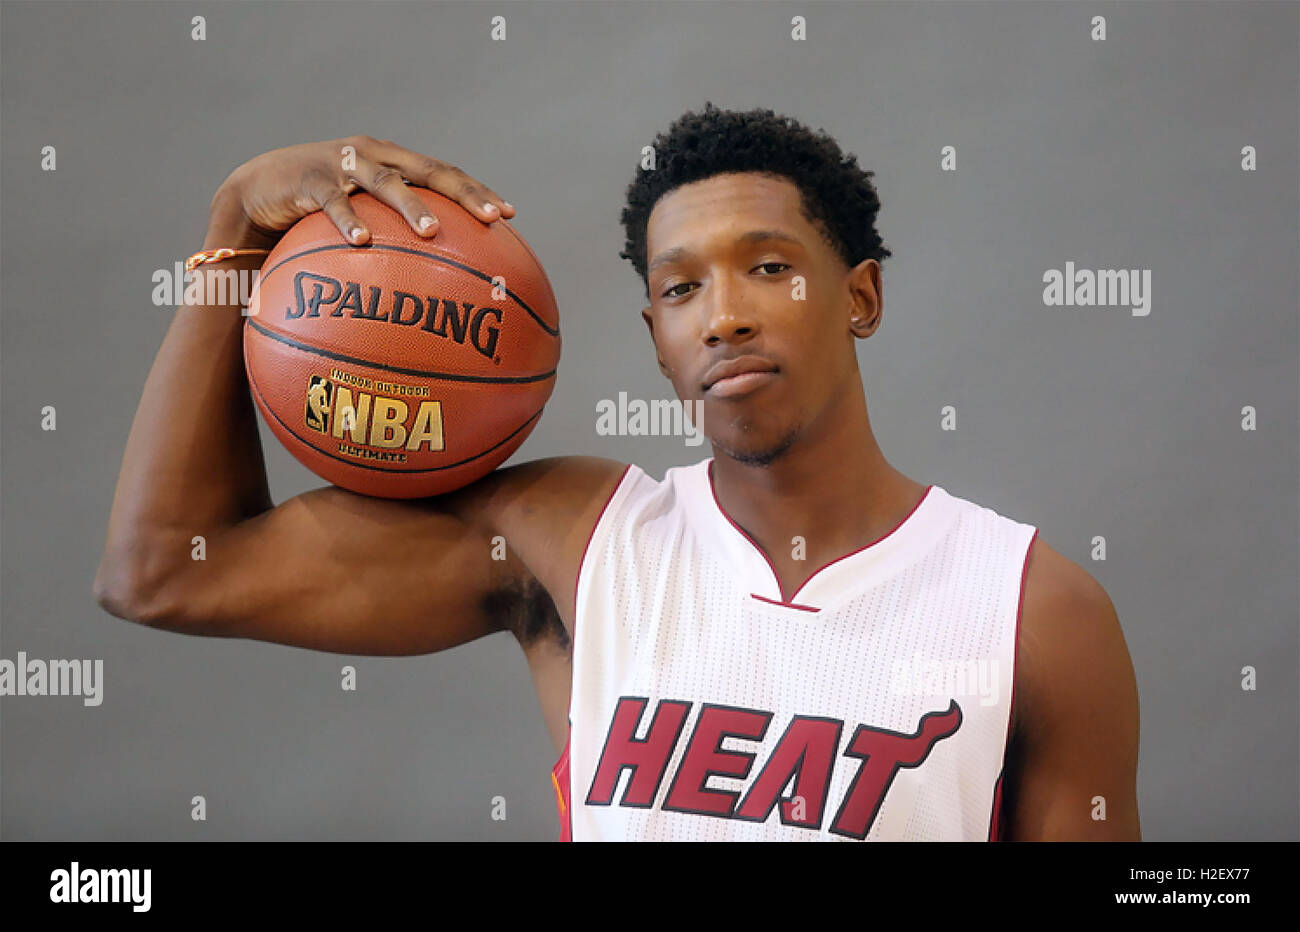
x: 1075, y: 733
x: 541, y: 487
x: 1069, y: 631
x: 1058, y: 590
x: 566, y: 483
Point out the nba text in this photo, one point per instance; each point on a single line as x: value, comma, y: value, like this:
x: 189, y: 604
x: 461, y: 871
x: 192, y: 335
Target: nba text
x: 805, y: 753
x: 345, y: 412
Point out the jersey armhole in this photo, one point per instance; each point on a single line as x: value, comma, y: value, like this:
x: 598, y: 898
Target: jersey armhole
x: 560, y: 770
x: 995, y: 818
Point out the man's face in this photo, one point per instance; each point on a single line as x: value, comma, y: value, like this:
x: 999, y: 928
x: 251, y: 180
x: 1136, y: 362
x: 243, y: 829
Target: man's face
x: 719, y: 292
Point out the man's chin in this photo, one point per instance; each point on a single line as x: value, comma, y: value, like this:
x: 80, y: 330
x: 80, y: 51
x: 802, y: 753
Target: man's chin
x: 751, y: 453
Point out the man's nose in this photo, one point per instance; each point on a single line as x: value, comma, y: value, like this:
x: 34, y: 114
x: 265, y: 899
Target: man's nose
x: 730, y: 316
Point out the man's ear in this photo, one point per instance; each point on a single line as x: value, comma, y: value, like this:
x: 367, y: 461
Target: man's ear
x: 648, y: 317
x: 867, y: 297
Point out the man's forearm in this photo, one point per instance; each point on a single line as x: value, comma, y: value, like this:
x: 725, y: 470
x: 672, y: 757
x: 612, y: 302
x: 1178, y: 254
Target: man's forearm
x: 193, y: 462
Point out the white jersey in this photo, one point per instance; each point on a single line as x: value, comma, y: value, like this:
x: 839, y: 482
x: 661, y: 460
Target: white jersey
x: 873, y: 703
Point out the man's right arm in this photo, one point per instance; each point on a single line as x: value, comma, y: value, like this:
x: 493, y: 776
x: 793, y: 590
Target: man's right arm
x: 329, y: 570
x: 335, y: 571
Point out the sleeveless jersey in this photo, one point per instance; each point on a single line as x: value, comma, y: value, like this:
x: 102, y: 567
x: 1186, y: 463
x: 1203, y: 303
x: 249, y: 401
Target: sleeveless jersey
x: 872, y: 704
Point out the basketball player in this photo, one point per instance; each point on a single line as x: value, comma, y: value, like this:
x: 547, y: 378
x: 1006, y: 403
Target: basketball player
x: 790, y: 640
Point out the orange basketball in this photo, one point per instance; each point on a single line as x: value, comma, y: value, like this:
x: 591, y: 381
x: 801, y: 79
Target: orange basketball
x: 406, y: 367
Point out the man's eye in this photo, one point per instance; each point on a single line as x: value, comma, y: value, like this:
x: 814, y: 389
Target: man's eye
x: 674, y: 293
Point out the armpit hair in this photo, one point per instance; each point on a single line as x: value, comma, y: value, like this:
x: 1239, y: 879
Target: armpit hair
x: 525, y: 609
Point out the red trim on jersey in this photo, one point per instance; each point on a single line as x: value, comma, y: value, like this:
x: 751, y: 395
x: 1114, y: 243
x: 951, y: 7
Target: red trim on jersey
x: 995, y: 817
x: 997, y: 807
x: 560, y: 772
x: 790, y: 601
x: 560, y: 780
x: 802, y: 608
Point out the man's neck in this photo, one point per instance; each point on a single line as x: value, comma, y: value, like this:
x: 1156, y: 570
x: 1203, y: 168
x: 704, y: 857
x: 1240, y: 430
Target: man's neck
x: 833, y: 488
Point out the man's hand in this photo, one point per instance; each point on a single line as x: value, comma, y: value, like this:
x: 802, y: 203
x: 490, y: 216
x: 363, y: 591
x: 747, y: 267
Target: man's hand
x: 265, y: 196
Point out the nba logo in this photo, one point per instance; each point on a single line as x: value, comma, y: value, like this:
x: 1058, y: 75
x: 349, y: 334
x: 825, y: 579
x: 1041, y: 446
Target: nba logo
x: 319, y: 392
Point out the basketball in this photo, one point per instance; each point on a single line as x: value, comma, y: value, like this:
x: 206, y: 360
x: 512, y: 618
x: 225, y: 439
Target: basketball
x: 406, y: 367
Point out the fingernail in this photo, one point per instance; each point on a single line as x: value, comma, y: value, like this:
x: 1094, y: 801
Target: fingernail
x: 490, y: 208
x: 356, y: 233
x: 508, y: 204
x: 426, y: 222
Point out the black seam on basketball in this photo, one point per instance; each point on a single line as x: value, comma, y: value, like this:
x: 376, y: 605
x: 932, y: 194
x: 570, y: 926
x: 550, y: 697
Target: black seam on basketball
x: 522, y: 242
x: 252, y: 383
x: 553, y: 331
x: 356, y: 360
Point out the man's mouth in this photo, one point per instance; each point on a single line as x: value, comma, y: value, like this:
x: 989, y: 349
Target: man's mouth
x: 731, y: 378
x: 736, y: 385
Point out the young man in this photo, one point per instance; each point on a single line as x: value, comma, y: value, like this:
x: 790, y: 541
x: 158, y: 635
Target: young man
x: 790, y: 640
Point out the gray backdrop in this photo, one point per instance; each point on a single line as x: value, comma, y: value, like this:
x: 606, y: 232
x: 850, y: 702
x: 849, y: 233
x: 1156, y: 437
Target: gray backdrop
x: 1083, y: 421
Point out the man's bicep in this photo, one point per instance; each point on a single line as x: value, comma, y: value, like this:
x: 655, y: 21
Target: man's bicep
x: 331, y: 570
x: 1075, y: 760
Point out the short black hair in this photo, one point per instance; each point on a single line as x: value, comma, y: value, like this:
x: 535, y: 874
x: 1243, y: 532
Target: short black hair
x: 837, y: 196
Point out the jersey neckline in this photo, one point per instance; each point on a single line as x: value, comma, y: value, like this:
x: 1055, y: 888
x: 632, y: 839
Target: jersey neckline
x: 832, y: 581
